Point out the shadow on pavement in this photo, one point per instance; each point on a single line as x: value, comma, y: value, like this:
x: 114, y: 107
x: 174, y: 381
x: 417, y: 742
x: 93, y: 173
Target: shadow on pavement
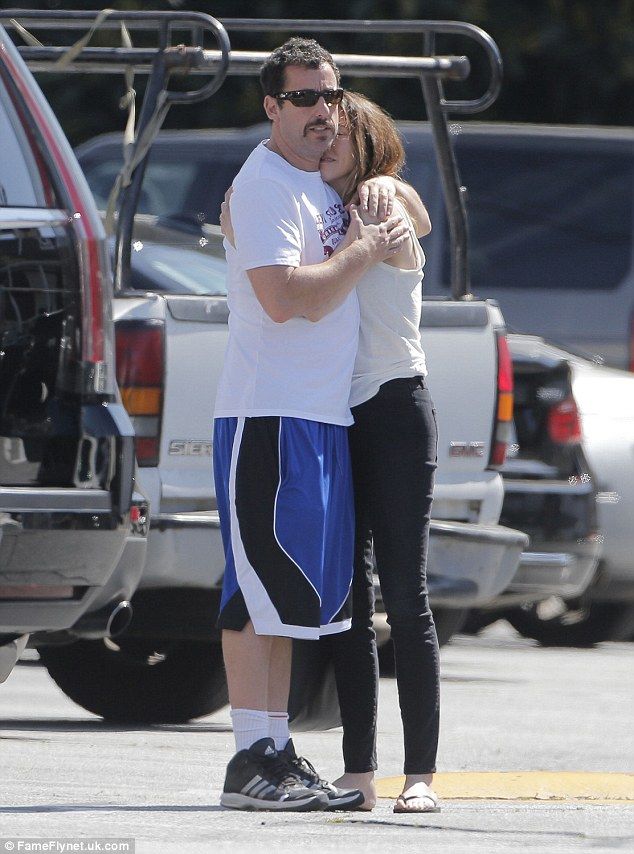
x: 97, y: 725
x: 55, y: 808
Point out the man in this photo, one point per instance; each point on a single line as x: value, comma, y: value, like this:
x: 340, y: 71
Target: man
x: 281, y: 461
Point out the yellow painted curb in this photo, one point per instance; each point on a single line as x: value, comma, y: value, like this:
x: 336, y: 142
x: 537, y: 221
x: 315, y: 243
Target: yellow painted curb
x: 523, y: 785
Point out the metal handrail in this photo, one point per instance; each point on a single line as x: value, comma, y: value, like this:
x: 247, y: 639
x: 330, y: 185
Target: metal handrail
x: 114, y: 60
x: 197, y: 23
x: 139, y: 20
x: 427, y: 28
x: 429, y: 68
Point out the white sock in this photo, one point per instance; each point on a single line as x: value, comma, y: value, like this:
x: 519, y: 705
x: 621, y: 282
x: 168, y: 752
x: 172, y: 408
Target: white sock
x: 249, y: 726
x: 278, y: 729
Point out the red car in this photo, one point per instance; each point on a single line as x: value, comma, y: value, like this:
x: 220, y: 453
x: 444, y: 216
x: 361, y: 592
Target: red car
x: 72, y: 532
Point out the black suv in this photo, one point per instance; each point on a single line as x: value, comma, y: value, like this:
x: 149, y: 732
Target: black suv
x: 72, y: 532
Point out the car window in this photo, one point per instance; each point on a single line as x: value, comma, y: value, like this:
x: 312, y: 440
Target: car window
x: 164, y: 190
x: 544, y: 212
x: 188, y: 186
x: 177, y: 270
x: 20, y: 182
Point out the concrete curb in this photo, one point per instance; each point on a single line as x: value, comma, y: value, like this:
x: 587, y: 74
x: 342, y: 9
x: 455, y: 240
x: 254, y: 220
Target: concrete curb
x: 524, y: 785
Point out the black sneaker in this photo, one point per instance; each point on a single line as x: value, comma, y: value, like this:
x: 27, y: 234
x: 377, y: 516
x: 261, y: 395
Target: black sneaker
x: 260, y: 779
x: 338, y: 799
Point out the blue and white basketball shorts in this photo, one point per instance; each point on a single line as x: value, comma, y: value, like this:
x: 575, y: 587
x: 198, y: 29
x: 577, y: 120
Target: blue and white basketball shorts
x: 284, y: 491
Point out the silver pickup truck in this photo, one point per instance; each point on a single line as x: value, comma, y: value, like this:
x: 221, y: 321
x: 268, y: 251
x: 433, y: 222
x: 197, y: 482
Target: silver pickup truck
x: 171, y: 329
x: 170, y: 348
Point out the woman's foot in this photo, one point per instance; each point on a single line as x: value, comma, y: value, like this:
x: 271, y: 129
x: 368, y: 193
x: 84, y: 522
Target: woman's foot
x: 364, y: 782
x: 417, y: 795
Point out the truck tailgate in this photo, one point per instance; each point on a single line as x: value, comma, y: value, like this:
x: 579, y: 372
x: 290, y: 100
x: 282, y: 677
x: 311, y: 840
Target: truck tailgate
x: 460, y: 349
x: 196, y: 336
x: 462, y: 371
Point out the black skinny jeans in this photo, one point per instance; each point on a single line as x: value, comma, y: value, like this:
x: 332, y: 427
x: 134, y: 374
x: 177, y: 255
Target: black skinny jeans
x: 393, y: 444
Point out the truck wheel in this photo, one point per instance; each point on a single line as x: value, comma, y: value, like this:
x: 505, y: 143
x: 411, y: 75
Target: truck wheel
x: 449, y: 621
x: 597, y: 622
x: 313, y: 703
x: 138, y: 680
x: 478, y: 619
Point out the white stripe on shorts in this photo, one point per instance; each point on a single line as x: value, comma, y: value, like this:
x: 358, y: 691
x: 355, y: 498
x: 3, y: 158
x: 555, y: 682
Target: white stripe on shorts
x: 263, y: 614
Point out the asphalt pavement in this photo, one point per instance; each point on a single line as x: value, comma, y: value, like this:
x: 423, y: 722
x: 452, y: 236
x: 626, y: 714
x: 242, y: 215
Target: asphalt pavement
x: 510, y: 709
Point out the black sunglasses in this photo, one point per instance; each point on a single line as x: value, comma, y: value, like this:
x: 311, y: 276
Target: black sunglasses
x: 309, y: 97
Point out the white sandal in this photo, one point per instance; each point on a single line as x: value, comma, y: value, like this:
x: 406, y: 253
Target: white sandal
x: 426, y: 794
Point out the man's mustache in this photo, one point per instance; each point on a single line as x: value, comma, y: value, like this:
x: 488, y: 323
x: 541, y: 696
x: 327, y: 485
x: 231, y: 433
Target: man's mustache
x: 319, y: 123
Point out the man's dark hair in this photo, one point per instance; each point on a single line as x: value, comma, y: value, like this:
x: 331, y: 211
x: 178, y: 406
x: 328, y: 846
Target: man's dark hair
x: 296, y: 51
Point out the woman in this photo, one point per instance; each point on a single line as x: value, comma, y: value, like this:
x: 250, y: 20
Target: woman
x: 393, y: 449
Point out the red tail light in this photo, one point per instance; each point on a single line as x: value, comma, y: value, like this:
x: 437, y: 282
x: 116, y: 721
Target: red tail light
x: 140, y: 375
x: 502, y: 429
x: 94, y: 285
x: 564, y: 424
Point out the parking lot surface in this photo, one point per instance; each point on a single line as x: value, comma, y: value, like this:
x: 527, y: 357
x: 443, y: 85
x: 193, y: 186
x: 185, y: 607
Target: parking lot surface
x: 508, y: 706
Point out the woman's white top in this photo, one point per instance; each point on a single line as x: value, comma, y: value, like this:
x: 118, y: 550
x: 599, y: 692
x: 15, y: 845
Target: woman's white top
x: 390, y: 302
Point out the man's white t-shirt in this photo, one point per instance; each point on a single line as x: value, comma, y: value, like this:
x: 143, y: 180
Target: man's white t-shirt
x: 284, y: 216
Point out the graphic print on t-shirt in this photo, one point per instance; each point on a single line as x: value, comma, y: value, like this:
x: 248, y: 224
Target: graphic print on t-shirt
x: 332, y: 227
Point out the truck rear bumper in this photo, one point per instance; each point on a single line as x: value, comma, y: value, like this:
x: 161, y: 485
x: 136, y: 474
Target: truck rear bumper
x: 469, y: 564
x: 184, y: 550
x: 101, y: 601
x: 544, y: 574
x: 57, y: 547
x: 560, y: 519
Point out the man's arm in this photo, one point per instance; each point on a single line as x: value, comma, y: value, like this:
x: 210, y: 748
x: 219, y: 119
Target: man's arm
x: 313, y: 291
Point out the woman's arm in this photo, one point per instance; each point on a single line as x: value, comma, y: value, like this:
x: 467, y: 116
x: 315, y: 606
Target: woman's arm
x: 415, y: 207
x: 376, y: 197
x: 226, y: 226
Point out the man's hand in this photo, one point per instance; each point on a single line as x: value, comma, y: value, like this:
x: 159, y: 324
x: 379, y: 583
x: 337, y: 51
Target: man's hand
x: 315, y: 290
x: 376, y: 196
x: 380, y: 240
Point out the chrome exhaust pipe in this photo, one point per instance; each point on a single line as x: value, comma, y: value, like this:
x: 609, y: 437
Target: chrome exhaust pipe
x: 109, y: 621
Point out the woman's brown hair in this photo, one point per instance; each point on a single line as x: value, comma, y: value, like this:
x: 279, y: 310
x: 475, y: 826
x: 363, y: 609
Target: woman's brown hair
x: 376, y: 142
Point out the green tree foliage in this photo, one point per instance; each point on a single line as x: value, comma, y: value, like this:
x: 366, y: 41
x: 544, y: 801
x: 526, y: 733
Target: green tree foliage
x: 565, y: 61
